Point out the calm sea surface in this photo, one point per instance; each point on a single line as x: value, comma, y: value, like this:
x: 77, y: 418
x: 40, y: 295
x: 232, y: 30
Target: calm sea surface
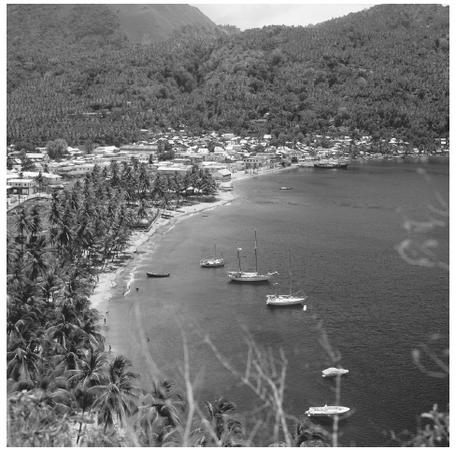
x: 341, y: 227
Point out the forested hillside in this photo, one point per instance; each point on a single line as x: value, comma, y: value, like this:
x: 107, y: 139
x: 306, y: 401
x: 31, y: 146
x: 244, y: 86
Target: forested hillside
x: 383, y: 71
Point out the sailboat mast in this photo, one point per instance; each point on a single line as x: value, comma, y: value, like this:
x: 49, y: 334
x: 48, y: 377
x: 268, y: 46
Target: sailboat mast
x: 215, y: 250
x: 239, y: 258
x: 256, y: 256
x: 289, y: 270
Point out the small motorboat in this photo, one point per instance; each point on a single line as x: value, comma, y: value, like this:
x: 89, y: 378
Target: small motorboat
x: 326, y: 410
x: 285, y: 300
x: 285, y: 188
x: 157, y: 275
x: 333, y: 372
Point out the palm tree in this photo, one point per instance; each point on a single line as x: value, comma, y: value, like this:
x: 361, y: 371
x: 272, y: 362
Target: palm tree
x: 23, y: 225
x: 39, y: 181
x: 158, y: 415
x: 143, y: 181
x: 116, y: 400
x: 310, y: 435
x: 36, y: 252
x: 23, y: 362
x: 142, y: 211
x: 64, y: 331
x: 168, y: 402
x: 226, y: 428
x: 90, y: 372
x: 91, y: 368
x: 148, y: 424
x: 50, y: 284
x: 53, y: 390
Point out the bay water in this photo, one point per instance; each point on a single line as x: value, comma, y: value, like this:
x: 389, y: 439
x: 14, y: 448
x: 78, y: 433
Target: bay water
x: 341, y: 228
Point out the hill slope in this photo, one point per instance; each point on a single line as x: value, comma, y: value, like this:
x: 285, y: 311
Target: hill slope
x: 145, y: 24
x: 57, y: 25
x: 384, y: 71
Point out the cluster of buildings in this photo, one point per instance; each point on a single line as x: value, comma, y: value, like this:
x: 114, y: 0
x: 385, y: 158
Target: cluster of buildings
x: 176, y: 152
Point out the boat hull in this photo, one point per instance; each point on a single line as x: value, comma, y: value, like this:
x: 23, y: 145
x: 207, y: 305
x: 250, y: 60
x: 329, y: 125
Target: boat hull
x: 284, y: 300
x: 331, y: 165
x: 212, y: 263
x: 333, y: 372
x: 157, y: 275
x: 324, y: 411
x: 249, y: 277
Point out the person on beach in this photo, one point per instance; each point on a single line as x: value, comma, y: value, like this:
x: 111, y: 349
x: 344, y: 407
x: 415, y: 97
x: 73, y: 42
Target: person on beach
x: 137, y: 289
x: 104, y: 319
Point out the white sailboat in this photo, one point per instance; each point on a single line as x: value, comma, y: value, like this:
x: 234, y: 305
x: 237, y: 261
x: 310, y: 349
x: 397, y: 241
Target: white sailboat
x: 286, y: 299
x: 212, y: 262
x: 249, y: 277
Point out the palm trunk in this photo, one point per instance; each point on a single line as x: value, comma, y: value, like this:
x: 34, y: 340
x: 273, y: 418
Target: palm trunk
x: 80, y: 426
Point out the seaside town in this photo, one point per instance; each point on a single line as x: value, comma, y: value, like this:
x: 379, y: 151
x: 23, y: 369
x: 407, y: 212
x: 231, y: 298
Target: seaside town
x: 224, y: 155
x: 227, y: 225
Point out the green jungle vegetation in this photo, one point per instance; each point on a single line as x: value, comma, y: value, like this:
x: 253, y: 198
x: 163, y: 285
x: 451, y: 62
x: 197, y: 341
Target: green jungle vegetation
x: 383, y: 71
x: 64, y: 386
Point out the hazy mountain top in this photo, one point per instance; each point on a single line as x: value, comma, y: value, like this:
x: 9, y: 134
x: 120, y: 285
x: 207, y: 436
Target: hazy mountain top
x: 143, y: 24
x: 57, y: 25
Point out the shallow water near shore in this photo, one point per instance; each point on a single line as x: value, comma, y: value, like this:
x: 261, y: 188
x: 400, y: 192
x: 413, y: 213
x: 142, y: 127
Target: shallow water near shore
x: 341, y: 227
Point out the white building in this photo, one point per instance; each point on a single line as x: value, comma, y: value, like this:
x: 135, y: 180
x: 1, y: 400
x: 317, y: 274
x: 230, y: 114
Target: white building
x: 222, y: 175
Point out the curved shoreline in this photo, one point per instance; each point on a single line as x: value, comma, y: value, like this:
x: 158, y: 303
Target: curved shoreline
x: 110, y: 280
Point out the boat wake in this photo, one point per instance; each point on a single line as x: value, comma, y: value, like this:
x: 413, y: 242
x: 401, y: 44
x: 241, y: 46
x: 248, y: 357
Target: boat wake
x: 132, y: 278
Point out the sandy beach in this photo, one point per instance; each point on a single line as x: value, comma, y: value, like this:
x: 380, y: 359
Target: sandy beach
x: 112, y: 280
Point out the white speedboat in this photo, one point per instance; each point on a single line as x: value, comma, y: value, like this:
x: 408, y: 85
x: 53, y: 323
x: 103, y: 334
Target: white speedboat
x: 249, y: 277
x: 285, y: 300
x: 326, y: 410
x: 333, y: 372
x: 212, y: 262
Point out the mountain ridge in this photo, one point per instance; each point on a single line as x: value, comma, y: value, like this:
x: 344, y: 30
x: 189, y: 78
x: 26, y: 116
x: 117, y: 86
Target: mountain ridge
x: 383, y: 71
x: 136, y: 23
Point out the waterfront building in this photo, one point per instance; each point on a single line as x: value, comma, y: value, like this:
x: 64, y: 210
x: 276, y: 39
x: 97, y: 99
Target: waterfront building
x: 75, y: 170
x: 21, y: 186
x: 222, y: 175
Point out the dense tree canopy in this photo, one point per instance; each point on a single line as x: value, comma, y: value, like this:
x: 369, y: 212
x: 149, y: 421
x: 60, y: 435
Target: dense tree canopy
x: 383, y: 71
